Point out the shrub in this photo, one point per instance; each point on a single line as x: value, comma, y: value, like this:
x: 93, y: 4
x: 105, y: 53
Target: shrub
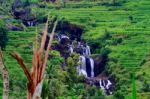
x: 54, y: 85
x: 105, y: 51
x: 71, y: 70
x: 116, y: 41
x: 3, y: 35
x: 106, y: 35
x: 94, y: 93
x: 119, y: 95
x: 146, y: 86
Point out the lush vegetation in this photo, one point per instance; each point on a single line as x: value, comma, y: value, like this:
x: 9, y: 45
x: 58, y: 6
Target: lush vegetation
x: 118, y: 29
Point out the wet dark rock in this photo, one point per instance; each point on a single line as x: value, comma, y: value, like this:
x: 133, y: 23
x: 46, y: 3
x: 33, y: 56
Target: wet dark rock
x: 74, y: 31
x: 31, y: 21
x: 23, y: 12
x: 51, y: 1
x: 88, y: 67
x: 100, y: 63
x: 78, y: 50
x: 69, y: 37
x: 96, y: 81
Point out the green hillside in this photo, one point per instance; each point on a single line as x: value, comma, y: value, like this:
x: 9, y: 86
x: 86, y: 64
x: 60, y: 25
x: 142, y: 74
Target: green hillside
x: 128, y: 27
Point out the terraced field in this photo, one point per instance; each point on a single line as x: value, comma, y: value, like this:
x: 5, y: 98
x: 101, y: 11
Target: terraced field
x: 130, y: 22
x: 19, y: 41
x: 116, y: 20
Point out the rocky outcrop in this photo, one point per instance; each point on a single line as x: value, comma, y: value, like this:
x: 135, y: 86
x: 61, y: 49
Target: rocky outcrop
x: 23, y: 12
x: 74, y: 31
x: 89, y: 67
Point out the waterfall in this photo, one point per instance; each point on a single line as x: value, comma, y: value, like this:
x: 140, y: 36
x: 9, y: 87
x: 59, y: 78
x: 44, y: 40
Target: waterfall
x: 71, y: 49
x: 83, y: 62
x: 100, y: 83
x: 64, y: 36
x: 83, y: 72
x: 87, y: 64
x: 108, y: 84
x: 88, y: 52
x: 86, y: 67
x: 31, y: 23
x: 81, y: 69
x: 28, y: 23
x: 92, y: 67
x: 79, y: 44
x: 58, y: 37
x: 105, y: 85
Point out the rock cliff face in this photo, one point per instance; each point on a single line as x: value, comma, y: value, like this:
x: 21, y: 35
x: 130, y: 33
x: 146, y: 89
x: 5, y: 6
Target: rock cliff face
x: 23, y: 12
x: 89, y: 67
x: 69, y: 41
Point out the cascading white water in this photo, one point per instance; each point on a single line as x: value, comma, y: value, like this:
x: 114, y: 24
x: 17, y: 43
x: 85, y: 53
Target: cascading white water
x: 108, y: 84
x: 81, y: 69
x: 64, y: 36
x: 86, y: 66
x: 83, y: 62
x: 103, y: 81
x: 79, y: 44
x: 88, y: 51
x: 83, y: 72
x: 71, y: 49
x: 31, y: 24
x: 100, y: 83
x: 92, y: 67
x: 105, y: 86
x: 58, y: 38
x: 28, y: 23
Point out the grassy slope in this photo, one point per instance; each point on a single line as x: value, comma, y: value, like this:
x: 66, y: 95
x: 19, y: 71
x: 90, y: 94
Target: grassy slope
x: 134, y: 48
x: 130, y: 52
x: 118, y: 23
x: 19, y: 42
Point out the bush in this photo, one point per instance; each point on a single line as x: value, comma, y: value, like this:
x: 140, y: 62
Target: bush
x: 105, y: 51
x: 94, y: 93
x: 3, y: 36
x: 116, y: 41
x: 119, y: 95
x: 72, y: 77
x: 54, y: 85
x: 146, y: 86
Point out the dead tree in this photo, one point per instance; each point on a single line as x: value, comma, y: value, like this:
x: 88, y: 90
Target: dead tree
x: 39, y: 60
x: 5, y: 77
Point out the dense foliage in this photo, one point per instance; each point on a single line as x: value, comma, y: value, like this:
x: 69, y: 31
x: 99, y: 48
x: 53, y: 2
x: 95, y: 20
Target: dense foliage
x: 3, y: 35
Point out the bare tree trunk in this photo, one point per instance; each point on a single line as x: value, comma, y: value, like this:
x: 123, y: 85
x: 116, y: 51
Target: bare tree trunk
x: 5, y: 77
